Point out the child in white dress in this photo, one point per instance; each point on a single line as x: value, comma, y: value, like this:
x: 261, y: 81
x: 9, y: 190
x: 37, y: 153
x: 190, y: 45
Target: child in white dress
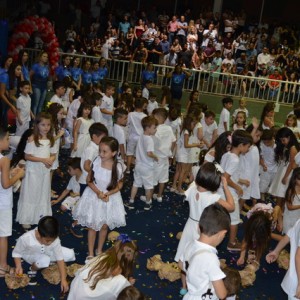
x: 286, y: 149
x: 81, y: 129
x: 35, y: 194
x: 292, y: 202
x: 101, y: 206
x: 201, y: 194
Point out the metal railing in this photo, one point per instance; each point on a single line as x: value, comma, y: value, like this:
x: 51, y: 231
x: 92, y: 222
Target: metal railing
x: 223, y: 84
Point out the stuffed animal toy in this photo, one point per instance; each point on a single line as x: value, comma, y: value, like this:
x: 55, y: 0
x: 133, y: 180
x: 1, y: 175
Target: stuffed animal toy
x: 51, y: 274
x: 72, y: 269
x: 154, y: 263
x: 283, y: 259
x: 248, y: 275
x: 113, y: 235
x: 169, y: 271
x: 14, y: 281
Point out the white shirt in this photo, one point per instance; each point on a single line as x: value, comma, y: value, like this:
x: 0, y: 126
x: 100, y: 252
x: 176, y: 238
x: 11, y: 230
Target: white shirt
x: 208, y: 130
x: 56, y: 99
x: 74, y: 185
x: 72, y: 113
x: 97, y: 114
x: 175, y: 125
x: 145, y: 144
x: 224, y: 117
x: 90, y: 153
x: 119, y: 134
x: 163, y: 140
x: 108, y: 104
x: 204, y: 268
x: 135, y: 128
x: 24, y: 104
x: 151, y: 106
x: 27, y: 244
x: 268, y: 155
x: 145, y: 93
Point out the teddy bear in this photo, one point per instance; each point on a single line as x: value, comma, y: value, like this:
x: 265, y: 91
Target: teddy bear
x: 51, y: 274
x: 283, y: 259
x: 14, y: 281
x: 72, y: 269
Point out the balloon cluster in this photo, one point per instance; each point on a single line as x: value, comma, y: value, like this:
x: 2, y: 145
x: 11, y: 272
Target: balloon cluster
x: 25, y: 29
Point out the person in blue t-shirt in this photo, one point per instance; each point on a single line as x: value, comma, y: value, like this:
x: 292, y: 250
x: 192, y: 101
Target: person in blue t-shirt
x: 177, y: 80
x: 86, y: 74
x: 64, y: 70
x: 39, y: 75
x: 148, y: 74
x: 76, y: 73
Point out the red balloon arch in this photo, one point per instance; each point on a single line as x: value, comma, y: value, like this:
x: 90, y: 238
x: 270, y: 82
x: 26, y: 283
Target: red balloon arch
x: 25, y: 29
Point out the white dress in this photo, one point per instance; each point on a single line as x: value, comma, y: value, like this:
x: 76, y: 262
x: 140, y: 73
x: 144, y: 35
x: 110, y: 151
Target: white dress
x: 278, y: 189
x: 290, y: 217
x: 191, y: 228
x: 35, y: 195
x: 195, y: 151
x: 83, y: 136
x: 182, y: 154
x: 91, y: 211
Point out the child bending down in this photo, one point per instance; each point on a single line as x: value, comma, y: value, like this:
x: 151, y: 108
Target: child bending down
x: 106, y: 275
x: 39, y: 247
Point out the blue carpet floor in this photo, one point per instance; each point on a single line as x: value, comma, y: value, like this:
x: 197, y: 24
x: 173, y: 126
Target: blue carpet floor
x: 155, y: 232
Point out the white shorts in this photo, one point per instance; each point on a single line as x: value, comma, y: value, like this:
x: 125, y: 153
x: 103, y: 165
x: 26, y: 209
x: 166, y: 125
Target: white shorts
x: 70, y: 202
x: 235, y: 215
x: 131, y: 147
x: 43, y: 260
x: 5, y: 222
x: 161, y: 171
x: 143, y: 177
x: 265, y: 180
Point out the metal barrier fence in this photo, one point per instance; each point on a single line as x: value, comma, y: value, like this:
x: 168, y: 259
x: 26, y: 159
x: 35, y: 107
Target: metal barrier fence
x: 224, y: 84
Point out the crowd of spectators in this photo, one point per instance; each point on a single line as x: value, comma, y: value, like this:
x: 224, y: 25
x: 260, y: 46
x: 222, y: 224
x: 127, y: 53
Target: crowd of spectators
x: 226, y: 43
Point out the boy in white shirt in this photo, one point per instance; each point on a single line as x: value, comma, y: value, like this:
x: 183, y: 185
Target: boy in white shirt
x: 135, y: 129
x: 204, y: 276
x: 164, y: 143
x: 144, y: 164
x: 96, y: 111
x: 121, y: 117
x: 224, y: 122
x: 240, y: 144
x: 73, y: 187
x: 146, y: 89
x: 210, y: 128
x: 23, y: 106
x: 107, y: 108
x: 59, y: 90
x: 152, y: 103
x: 41, y: 246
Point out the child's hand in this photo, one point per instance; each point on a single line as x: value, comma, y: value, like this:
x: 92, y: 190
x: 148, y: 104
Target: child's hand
x: 240, y: 261
x: 100, y: 195
x: 61, y: 132
x: 64, y: 286
x: 239, y: 191
x: 105, y: 198
x: 19, y: 271
x: 48, y: 162
x: 265, y: 168
x: 246, y: 182
x: 255, y: 123
x: 298, y: 292
x: 271, y: 257
x: 74, y: 147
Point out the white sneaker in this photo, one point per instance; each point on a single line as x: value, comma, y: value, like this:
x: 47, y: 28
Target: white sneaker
x: 158, y: 199
x: 143, y: 198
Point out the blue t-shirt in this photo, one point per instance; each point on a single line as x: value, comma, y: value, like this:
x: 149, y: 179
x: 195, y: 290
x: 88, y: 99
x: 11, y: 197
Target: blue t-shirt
x: 103, y: 72
x: 76, y: 73
x: 62, y: 72
x: 124, y: 27
x: 86, y: 77
x: 95, y: 77
x: 177, y: 81
x: 4, y: 77
x: 25, y: 72
x: 40, y: 74
x: 148, y: 75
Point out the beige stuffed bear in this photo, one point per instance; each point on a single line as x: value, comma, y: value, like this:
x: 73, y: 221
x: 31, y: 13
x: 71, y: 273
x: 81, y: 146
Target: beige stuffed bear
x: 283, y: 259
x: 51, y: 274
x: 72, y: 269
x: 113, y: 235
x: 169, y: 271
x: 14, y: 281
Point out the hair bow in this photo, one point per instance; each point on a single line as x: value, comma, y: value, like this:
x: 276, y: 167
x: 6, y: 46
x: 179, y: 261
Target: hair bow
x: 124, y: 238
